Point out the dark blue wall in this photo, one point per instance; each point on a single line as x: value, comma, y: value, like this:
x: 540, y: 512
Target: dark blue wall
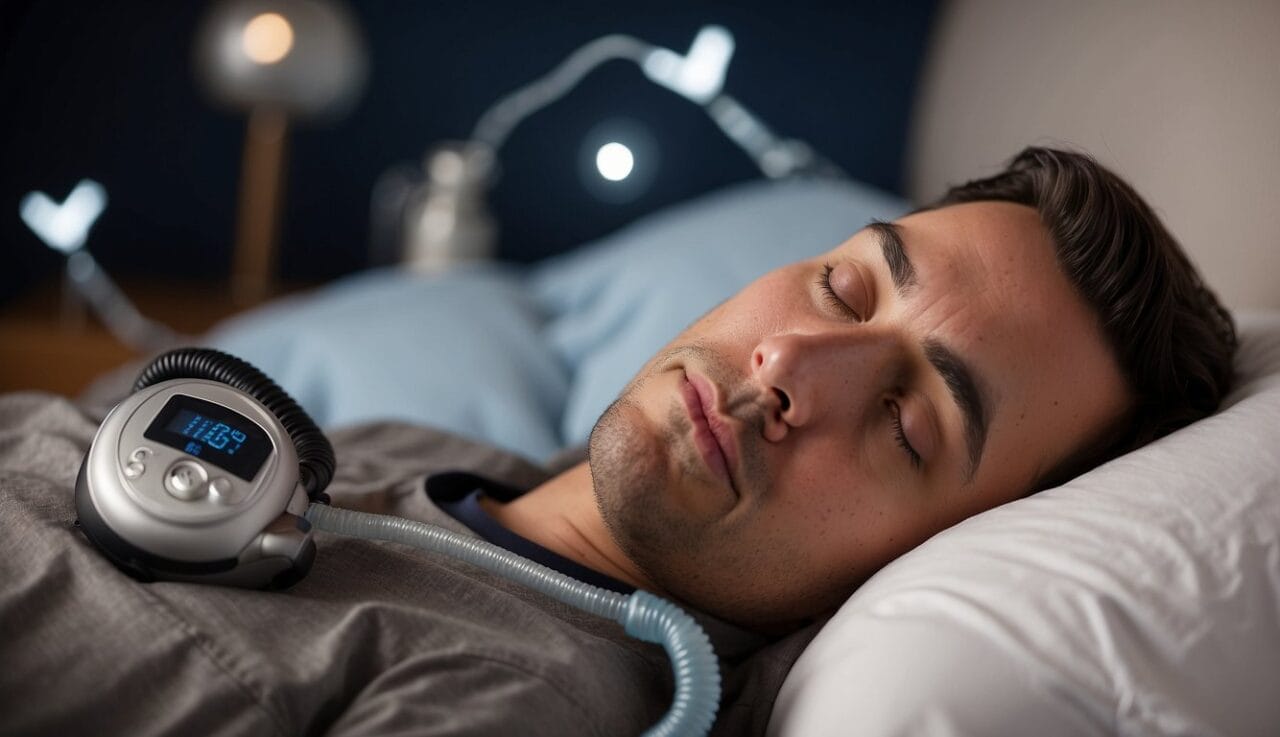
x: 106, y: 90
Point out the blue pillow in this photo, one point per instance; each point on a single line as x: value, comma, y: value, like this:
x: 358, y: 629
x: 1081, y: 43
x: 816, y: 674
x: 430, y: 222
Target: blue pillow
x: 462, y: 352
x: 615, y: 303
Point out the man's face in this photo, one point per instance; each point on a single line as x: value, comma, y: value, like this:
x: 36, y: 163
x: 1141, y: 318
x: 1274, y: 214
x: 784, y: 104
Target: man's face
x: 793, y: 440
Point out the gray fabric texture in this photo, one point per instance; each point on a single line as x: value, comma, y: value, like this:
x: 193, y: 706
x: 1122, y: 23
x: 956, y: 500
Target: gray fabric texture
x: 378, y: 639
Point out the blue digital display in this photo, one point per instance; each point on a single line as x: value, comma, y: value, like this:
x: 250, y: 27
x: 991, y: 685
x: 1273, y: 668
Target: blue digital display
x: 217, y: 435
x: 213, y: 433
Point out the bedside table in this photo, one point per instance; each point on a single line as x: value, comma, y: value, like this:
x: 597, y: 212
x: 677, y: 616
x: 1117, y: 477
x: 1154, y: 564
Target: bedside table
x: 46, y: 346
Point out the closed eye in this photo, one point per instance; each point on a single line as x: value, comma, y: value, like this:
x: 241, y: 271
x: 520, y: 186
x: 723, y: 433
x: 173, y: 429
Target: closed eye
x: 901, y: 436
x: 830, y: 296
x: 839, y: 305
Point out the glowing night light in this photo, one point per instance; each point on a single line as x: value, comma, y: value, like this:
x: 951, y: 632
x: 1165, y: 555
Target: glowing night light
x: 615, y: 161
x: 64, y: 227
x: 698, y: 75
x: 267, y: 38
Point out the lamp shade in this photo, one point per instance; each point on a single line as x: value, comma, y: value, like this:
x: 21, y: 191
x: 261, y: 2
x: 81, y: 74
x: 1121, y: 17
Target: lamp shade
x: 304, y: 57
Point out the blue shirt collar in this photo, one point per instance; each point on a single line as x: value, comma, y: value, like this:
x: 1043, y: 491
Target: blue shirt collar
x: 458, y: 494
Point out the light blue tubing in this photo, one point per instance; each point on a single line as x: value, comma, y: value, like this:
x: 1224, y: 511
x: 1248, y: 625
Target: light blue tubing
x: 643, y: 615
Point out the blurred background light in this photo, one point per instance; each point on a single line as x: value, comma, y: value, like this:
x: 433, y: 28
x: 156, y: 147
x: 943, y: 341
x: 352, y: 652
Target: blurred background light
x: 267, y: 38
x: 64, y: 227
x: 306, y: 58
x: 698, y: 75
x: 615, y: 161
x: 619, y: 160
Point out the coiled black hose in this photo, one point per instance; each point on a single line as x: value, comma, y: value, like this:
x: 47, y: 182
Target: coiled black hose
x: 315, y: 454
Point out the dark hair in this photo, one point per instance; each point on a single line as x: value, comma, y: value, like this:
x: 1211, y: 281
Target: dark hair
x: 1173, y: 339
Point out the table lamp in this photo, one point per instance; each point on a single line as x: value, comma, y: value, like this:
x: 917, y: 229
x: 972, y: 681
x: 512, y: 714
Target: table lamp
x: 277, y: 59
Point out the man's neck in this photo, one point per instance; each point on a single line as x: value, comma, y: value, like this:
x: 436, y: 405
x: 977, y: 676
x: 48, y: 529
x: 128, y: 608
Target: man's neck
x: 562, y: 516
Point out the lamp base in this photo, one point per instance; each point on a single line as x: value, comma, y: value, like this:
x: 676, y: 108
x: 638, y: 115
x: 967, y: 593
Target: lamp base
x: 261, y: 201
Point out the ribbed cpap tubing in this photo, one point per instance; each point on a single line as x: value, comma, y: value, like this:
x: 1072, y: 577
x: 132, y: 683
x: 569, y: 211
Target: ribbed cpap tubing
x: 643, y: 615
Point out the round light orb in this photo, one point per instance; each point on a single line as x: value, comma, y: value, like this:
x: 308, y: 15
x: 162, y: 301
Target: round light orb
x: 305, y: 58
x: 267, y: 38
x: 615, y: 161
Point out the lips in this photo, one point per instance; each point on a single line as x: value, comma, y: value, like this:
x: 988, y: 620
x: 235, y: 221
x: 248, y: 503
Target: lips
x: 712, y: 436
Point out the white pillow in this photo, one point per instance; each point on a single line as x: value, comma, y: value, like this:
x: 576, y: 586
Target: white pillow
x: 1141, y: 598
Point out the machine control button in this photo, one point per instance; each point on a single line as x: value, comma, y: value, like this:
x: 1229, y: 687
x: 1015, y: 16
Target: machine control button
x: 222, y: 491
x: 186, y: 480
x: 137, y: 464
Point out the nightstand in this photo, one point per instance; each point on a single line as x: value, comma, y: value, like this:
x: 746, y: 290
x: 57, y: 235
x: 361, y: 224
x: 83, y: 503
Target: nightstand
x: 45, y: 346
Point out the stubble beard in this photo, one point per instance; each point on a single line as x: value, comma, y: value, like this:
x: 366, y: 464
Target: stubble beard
x: 632, y: 463
x: 629, y: 474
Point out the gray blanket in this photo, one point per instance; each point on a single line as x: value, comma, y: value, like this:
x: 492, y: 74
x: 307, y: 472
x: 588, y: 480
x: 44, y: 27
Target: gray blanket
x: 377, y: 639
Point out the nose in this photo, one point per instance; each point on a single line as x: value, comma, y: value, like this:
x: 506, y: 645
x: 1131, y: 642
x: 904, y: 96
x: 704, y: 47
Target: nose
x: 807, y: 378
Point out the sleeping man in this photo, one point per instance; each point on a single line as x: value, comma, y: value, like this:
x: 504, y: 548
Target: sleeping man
x: 828, y: 418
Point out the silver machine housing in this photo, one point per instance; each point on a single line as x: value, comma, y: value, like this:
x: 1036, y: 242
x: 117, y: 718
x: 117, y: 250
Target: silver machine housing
x: 163, y: 512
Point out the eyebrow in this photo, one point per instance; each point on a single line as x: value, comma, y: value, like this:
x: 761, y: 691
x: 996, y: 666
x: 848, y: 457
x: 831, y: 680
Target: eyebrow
x: 901, y: 270
x: 955, y: 372
x: 964, y: 391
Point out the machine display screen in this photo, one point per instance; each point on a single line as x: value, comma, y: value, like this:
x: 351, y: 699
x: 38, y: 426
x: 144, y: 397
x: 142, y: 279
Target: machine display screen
x: 213, y: 434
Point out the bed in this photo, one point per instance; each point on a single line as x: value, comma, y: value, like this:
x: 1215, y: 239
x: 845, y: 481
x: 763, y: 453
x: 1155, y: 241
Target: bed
x: 1140, y: 598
